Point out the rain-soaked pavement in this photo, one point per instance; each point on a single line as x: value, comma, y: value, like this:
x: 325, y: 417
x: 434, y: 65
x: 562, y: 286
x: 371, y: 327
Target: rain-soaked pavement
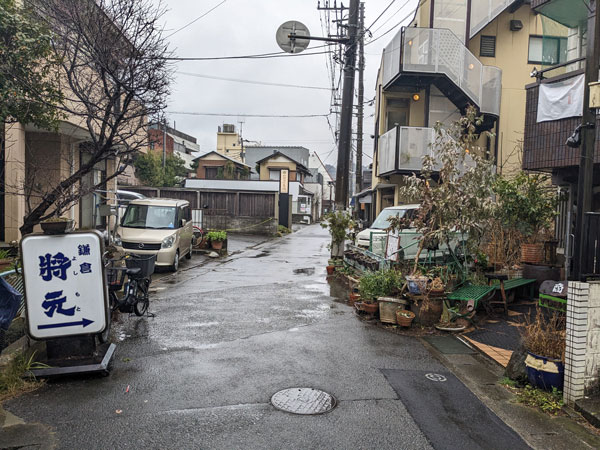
x: 226, y: 336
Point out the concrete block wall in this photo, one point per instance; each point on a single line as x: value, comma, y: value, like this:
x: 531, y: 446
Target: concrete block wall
x: 582, y: 355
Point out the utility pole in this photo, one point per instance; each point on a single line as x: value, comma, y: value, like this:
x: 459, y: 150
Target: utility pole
x: 361, y: 99
x: 164, y: 143
x: 586, y: 162
x: 345, y: 138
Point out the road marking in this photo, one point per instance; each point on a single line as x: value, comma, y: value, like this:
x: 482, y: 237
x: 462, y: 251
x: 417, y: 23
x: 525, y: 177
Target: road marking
x: 435, y: 377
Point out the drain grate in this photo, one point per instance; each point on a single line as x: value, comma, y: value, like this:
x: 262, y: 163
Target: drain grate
x: 306, y: 401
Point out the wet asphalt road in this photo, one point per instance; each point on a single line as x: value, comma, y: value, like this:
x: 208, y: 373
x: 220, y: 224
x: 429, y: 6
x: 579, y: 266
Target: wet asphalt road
x: 228, y: 335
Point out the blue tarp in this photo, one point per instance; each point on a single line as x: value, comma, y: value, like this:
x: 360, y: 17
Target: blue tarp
x: 10, y: 299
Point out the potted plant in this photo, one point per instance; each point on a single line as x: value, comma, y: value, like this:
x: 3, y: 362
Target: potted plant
x: 216, y: 239
x: 544, y: 338
x: 340, y: 225
x: 525, y: 204
x: 404, y: 318
x: 372, y: 285
x: 57, y: 225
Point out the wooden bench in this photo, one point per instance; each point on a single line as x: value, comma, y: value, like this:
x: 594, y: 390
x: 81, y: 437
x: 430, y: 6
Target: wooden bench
x: 503, y: 285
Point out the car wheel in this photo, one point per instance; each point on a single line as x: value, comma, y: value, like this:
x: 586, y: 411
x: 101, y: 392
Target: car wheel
x: 175, y: 264
x: 189, y: 254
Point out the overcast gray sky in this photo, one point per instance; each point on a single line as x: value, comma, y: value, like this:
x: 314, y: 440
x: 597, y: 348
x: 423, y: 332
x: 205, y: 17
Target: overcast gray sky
x: 244, y: 27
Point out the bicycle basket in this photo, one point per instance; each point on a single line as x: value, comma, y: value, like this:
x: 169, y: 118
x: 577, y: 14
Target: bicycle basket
x: 115, y: 276
x: 146, y: 263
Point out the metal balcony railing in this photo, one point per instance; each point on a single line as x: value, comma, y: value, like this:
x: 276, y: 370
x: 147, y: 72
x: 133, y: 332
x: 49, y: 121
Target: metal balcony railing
x: 438, y: 51
x: 403, y: 148
x: 484, y: 11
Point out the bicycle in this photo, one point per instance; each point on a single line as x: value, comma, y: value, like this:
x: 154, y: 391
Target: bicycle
x: 138, y: 270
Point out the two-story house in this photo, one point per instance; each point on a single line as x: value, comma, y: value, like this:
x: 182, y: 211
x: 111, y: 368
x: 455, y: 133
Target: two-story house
x: 454, y: 53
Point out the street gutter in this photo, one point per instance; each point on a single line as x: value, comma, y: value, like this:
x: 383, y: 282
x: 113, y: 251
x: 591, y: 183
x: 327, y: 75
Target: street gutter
x: 539, y: 430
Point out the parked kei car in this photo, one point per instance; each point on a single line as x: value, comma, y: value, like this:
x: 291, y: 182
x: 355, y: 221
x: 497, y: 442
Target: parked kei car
x: 157, y: 226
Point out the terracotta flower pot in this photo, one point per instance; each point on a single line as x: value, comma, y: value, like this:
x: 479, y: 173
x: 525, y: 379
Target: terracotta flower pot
x: 404, y: 318
x: 330, y: 270
x: 369, y: 308
x: 353, y: 298
x: 216, y: 245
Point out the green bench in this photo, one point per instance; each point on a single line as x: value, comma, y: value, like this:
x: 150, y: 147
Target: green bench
x: 476, y: 293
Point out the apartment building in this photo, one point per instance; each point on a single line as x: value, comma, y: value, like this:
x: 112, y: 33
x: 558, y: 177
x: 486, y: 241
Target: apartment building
x: 453, y: 54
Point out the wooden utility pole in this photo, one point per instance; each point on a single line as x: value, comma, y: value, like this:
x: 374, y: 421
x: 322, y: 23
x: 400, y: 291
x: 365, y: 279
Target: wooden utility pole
x: 361, y: 99
x: 345, y: 137
x: 586, y: 162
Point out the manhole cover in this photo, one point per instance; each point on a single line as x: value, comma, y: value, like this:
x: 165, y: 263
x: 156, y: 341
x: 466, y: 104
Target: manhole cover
x: 303, y: 401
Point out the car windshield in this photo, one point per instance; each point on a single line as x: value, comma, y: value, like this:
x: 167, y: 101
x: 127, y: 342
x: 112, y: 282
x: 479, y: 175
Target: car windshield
x: 145, y: 216
x: 381, y: 223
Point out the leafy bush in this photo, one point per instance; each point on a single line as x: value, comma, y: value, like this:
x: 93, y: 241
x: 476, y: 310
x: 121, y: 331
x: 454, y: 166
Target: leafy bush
x: 526, y: 203
x: 283, y: 229
x: 550, y: 402
x: 382, y: 283
x: 339, y: 223
x: 149, y: 169
x: 216, y: 235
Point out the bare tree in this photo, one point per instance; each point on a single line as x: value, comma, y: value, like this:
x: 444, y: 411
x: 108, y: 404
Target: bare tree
x: 114, y: 75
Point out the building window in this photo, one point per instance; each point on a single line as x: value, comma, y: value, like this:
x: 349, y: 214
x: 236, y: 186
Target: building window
x: 211, y: 173
x: 547, y: 50
x: 487, y: 46
x: 274, y: 175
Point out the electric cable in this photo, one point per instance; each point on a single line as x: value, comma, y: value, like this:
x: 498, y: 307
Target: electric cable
x: 265, y: 83
x: 195, y: 20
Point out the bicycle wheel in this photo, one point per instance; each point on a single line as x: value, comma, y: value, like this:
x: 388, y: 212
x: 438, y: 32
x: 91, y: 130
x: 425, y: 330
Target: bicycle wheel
x: 142, y: 301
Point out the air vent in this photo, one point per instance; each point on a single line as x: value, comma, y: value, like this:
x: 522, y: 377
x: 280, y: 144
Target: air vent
x: 488, y: 46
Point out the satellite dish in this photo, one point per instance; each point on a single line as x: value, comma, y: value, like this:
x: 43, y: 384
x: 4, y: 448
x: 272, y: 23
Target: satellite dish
x: 289, y: 37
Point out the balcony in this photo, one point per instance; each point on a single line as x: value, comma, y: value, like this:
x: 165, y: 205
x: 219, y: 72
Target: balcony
x: 566, y: 12
x: 401, y: 150
x: 418, y: 57
x: 544, y: 146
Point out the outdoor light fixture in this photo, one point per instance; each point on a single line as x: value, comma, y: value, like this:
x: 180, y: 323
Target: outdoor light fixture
x: 410, y: 42
x: 416, y: 97
x: 471, y: 66
x: 574, y: 141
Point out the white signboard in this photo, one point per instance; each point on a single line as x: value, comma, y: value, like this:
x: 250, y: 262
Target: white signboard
x: 64, y: 285
x: 392, y: 245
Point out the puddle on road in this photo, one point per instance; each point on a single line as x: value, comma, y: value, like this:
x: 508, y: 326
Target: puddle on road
x: 338, y: 290
x: 306, y: 271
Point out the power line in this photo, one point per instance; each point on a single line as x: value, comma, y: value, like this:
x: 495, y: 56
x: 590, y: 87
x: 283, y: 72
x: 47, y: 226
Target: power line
x: 195, y: 20
x: 190, y: 113
x: 398, y: 24
x: 257, y: 56
x: 265, y: 83
x: 392, y: 16
x: 379, y: 16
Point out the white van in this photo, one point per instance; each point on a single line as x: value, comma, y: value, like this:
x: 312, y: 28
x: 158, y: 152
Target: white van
x: 157, y: 226
x: 374, y: 237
